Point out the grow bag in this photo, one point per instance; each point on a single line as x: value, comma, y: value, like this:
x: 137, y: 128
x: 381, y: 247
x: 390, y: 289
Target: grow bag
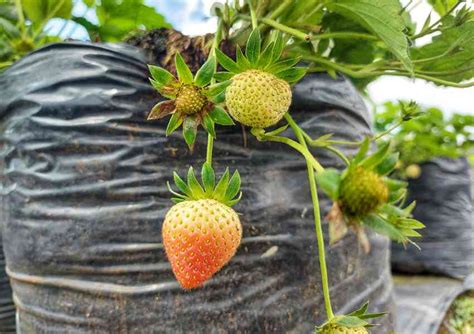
x: 419, y: 310
x: 87, y: 178
x: 444, y: 205
x: 7, y: 309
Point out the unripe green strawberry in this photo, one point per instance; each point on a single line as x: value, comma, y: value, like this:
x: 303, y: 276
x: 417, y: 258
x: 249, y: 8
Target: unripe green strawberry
x: 337, y: 329
x: 362, y: 191
x: 199, y: 238
x: 190, y: 100
x: 258, y: 99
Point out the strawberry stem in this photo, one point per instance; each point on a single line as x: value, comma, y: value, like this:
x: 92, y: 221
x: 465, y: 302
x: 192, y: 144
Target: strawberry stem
x: 317, y: 218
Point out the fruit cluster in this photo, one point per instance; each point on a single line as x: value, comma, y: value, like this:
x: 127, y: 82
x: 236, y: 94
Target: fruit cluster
x: 201, y: 232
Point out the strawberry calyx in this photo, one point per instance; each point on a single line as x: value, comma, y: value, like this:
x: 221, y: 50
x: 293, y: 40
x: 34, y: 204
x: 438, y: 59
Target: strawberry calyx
x: 193, y: 100
x: 365, y: 179
x: 267, y: 60
x: 355, y: 322
x: 226, y: 190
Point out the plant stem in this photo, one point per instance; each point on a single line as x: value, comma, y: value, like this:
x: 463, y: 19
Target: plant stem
x: 300, y: 148
x: 292, y: 31
x: 210, y: 144
x: 345, y: 35
x: 253, y: 15
x: 317, y: 220
x: 338, y: 153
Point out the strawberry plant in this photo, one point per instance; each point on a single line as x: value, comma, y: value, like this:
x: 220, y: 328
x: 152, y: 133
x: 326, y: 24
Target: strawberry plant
x: 283, y: 41
x: 426, y: 137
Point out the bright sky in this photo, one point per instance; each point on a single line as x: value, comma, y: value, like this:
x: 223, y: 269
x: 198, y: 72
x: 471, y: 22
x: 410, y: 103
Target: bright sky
x: 191, y: 17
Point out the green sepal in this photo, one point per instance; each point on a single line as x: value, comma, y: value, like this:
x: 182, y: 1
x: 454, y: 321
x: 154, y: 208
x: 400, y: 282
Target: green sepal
x: 175, y: 122
x: 190, y: 130
x: 388, y: 164
x: 266, y: 56
x: 208, y: 178
x: 233, y: 186
x: 351, y: 322
x: 182, y: 186
x: 177, y: 200
x: 220, y: 189
x: 193, y: 184
x: 165, y: 91
x: 218, y: 99
x: 242, y: 62
x: 292, y: 75
x: 252, y: 50
x: 375, y: 159
x: 381, y: 226
x: 329, y: 180
x: 283, y: 65
x: 364, y: 148
x: 216, y: 89
x: 223, y: 76
x: 161, y: 109
x: 227, y: 62
x: 278, y: 46
x: 225, y: 191
x: 184, y: 73
x: 160, y: 75
x: 220, y: 116
x: 205, y: 74
x: 208, y: 124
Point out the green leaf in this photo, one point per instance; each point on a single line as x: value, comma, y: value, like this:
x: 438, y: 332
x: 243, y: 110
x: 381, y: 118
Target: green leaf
x: 184, y: 73
x: 208, y: 124
x: 220, y: 190
x: 182, y: 186
x: 242, y: 62
x: 329, y: 181
x: 223, y: 76
x: 160, y: 75
x: 175, y: 122
x: 233, y: 187
x: 227, y: 63
x: 190, y: 130
x: 194, y: 185
x: 442, y: 6
x: 206, y: 72
x: 252, y: 50
x: 292, y: 75
x: 208, y: 178
x: 41, y: 11
x: 381, y: 17
x: 220, y: 116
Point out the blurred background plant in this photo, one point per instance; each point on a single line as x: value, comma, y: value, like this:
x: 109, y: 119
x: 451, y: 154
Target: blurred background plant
x: 427, y: 136
x: 25, y: 25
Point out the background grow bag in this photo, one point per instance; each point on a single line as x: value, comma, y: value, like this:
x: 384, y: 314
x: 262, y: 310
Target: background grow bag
x: 444, y: 205
x: 86, y: 176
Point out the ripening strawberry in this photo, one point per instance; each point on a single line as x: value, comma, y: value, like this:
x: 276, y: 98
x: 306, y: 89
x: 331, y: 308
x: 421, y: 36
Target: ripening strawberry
x: 338, y: 329
x: 258, y: 99
x: 201, y: 232
x: 259, y: 94
x: 200, y: 237
x: 362, y: 191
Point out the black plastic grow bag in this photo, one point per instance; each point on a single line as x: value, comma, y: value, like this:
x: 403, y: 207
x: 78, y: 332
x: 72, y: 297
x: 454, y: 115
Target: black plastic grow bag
x: 86, y: 178
x: 444, y: 205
